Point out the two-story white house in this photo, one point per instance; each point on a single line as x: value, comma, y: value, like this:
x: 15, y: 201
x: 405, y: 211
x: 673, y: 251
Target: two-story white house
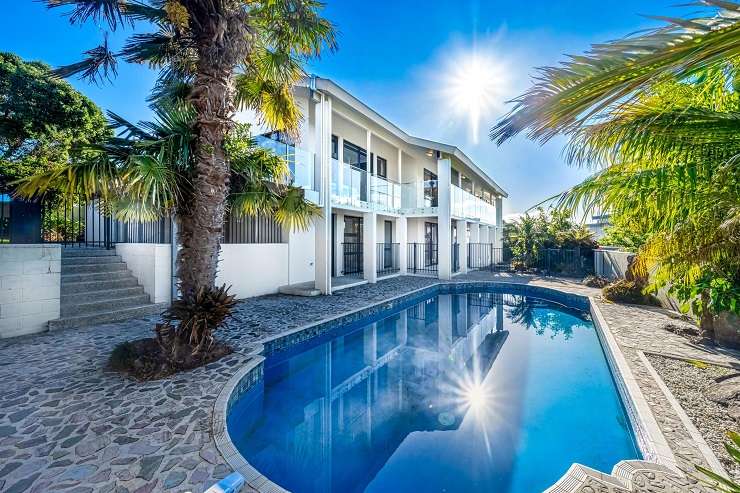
x: 392, y: 203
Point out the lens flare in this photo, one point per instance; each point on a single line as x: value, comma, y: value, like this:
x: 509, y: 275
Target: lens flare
x: 475, y: 85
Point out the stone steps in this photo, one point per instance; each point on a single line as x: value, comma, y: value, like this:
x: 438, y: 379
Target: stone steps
x: 85, y: 260
x: 107, y: 316
x: 98, y: 288
x: 95, y: 276
x: 93, y: 268
x: 83, y: 306
x: 102, y: 294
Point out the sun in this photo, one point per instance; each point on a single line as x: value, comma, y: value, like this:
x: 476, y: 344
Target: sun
x: 474, y: 86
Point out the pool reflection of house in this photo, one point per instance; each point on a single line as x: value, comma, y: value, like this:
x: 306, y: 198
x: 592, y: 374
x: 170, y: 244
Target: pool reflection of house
x: 366, y: 391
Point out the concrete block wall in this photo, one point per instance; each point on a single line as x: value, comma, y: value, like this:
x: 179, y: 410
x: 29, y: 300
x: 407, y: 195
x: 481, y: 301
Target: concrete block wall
x: 30, y: 279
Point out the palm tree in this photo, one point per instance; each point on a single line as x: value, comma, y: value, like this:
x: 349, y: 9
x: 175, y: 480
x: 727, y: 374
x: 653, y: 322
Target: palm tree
x: 658, y: 114
x: 219, y: 56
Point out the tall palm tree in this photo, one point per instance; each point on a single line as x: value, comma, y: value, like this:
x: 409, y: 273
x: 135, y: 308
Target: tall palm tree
x: 219, y: 56
x: 657, y: 115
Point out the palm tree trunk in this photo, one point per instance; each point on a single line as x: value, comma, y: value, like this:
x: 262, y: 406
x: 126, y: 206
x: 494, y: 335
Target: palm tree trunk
x: 706, y: 320
x: 220, y: 33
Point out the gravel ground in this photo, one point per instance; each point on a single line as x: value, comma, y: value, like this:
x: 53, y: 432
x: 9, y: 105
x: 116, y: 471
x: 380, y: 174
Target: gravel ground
x: 687, y: 382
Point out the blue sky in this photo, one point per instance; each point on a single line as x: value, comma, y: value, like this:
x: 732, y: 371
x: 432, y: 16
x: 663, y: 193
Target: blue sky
x: 399, y: 57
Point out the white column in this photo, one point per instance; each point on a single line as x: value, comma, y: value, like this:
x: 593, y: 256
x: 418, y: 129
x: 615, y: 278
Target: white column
x: 499, y: 223
x: 323, y: 224
x: 340, y: 166
x: 444, y: 217
x: 369, y: 246
x: 400, y: 166
x: 444, y: 326
x: 338, y: 239
x: 462, y: 247
x: 403, y: 240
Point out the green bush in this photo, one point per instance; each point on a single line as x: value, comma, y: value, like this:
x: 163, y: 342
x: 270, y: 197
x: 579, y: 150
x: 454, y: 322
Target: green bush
x: 624, y: 291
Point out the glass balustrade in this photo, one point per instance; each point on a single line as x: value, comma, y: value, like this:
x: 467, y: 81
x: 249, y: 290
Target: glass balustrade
x: 302, y: 163
x: 419, y: 196
x: 466, y: 205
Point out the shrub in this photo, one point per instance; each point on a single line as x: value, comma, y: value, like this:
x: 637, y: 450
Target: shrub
x: 595, y: 282
x: 632, y: 292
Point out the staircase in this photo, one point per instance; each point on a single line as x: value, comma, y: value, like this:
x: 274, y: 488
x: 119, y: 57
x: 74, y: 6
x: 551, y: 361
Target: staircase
x: 98, y: 288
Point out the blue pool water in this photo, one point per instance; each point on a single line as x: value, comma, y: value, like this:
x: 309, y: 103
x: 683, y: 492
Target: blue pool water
x: 484, y: 392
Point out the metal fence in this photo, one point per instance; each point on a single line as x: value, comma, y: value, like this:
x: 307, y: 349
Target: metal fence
x: 422, y: 258
x: 575, y: 262
x: 353, y: 260
x: 388, y: 258
x: 484, y: 256
x: 81, y: 222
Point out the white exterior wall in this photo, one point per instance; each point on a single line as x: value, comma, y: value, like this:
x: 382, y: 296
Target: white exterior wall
x: 30, y: 278
x: 150, y: 264
x: 253, y: 269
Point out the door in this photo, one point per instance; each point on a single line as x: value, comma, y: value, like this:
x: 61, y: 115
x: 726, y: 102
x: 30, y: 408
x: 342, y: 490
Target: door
x: 388, y: 245
x: 352, y: 245
x: 430, y: 239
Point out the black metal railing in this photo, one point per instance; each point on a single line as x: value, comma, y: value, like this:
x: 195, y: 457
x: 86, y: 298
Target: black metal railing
x: 548, y: 261
x: 422, y: 258
x: 81, y: 222
x: 352, y: 259
x: 388, y: 260
x: 455, y: 257
x: 484, y: 256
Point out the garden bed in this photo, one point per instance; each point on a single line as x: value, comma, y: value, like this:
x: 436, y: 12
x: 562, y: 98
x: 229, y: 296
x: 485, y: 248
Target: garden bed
x: 688, y: 382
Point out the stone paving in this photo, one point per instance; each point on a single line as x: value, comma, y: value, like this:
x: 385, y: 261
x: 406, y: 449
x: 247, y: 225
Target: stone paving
x: 68, y: 424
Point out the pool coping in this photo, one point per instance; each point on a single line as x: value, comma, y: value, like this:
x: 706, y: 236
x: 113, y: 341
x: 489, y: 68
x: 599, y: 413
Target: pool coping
x: 650, y: 439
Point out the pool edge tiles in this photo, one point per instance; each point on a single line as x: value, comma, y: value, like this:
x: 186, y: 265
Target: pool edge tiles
x: 650, y: 441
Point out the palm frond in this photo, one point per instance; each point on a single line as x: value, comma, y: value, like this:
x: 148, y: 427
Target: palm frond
x: 566, y: 97
x: 110, y: 11
x: 98, y: 66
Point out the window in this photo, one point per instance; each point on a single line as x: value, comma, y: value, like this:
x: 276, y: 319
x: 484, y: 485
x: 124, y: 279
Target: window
x: 334, y: 147
x: 454, y: 176
x: 382, y: 166
x: 354, y: 155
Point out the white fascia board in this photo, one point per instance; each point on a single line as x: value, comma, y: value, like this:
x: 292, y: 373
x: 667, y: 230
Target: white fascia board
x: 332, y: 88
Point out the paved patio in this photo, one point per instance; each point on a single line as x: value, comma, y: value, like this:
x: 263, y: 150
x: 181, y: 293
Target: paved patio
x: 68, y: 424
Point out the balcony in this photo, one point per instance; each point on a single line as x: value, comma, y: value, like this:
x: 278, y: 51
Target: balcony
x: 465, y: 205
x: 354, y: 187
x: 302, y: 165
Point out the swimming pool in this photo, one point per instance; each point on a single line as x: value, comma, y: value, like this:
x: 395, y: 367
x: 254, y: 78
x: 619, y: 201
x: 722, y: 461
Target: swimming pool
x: 475, y: 391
